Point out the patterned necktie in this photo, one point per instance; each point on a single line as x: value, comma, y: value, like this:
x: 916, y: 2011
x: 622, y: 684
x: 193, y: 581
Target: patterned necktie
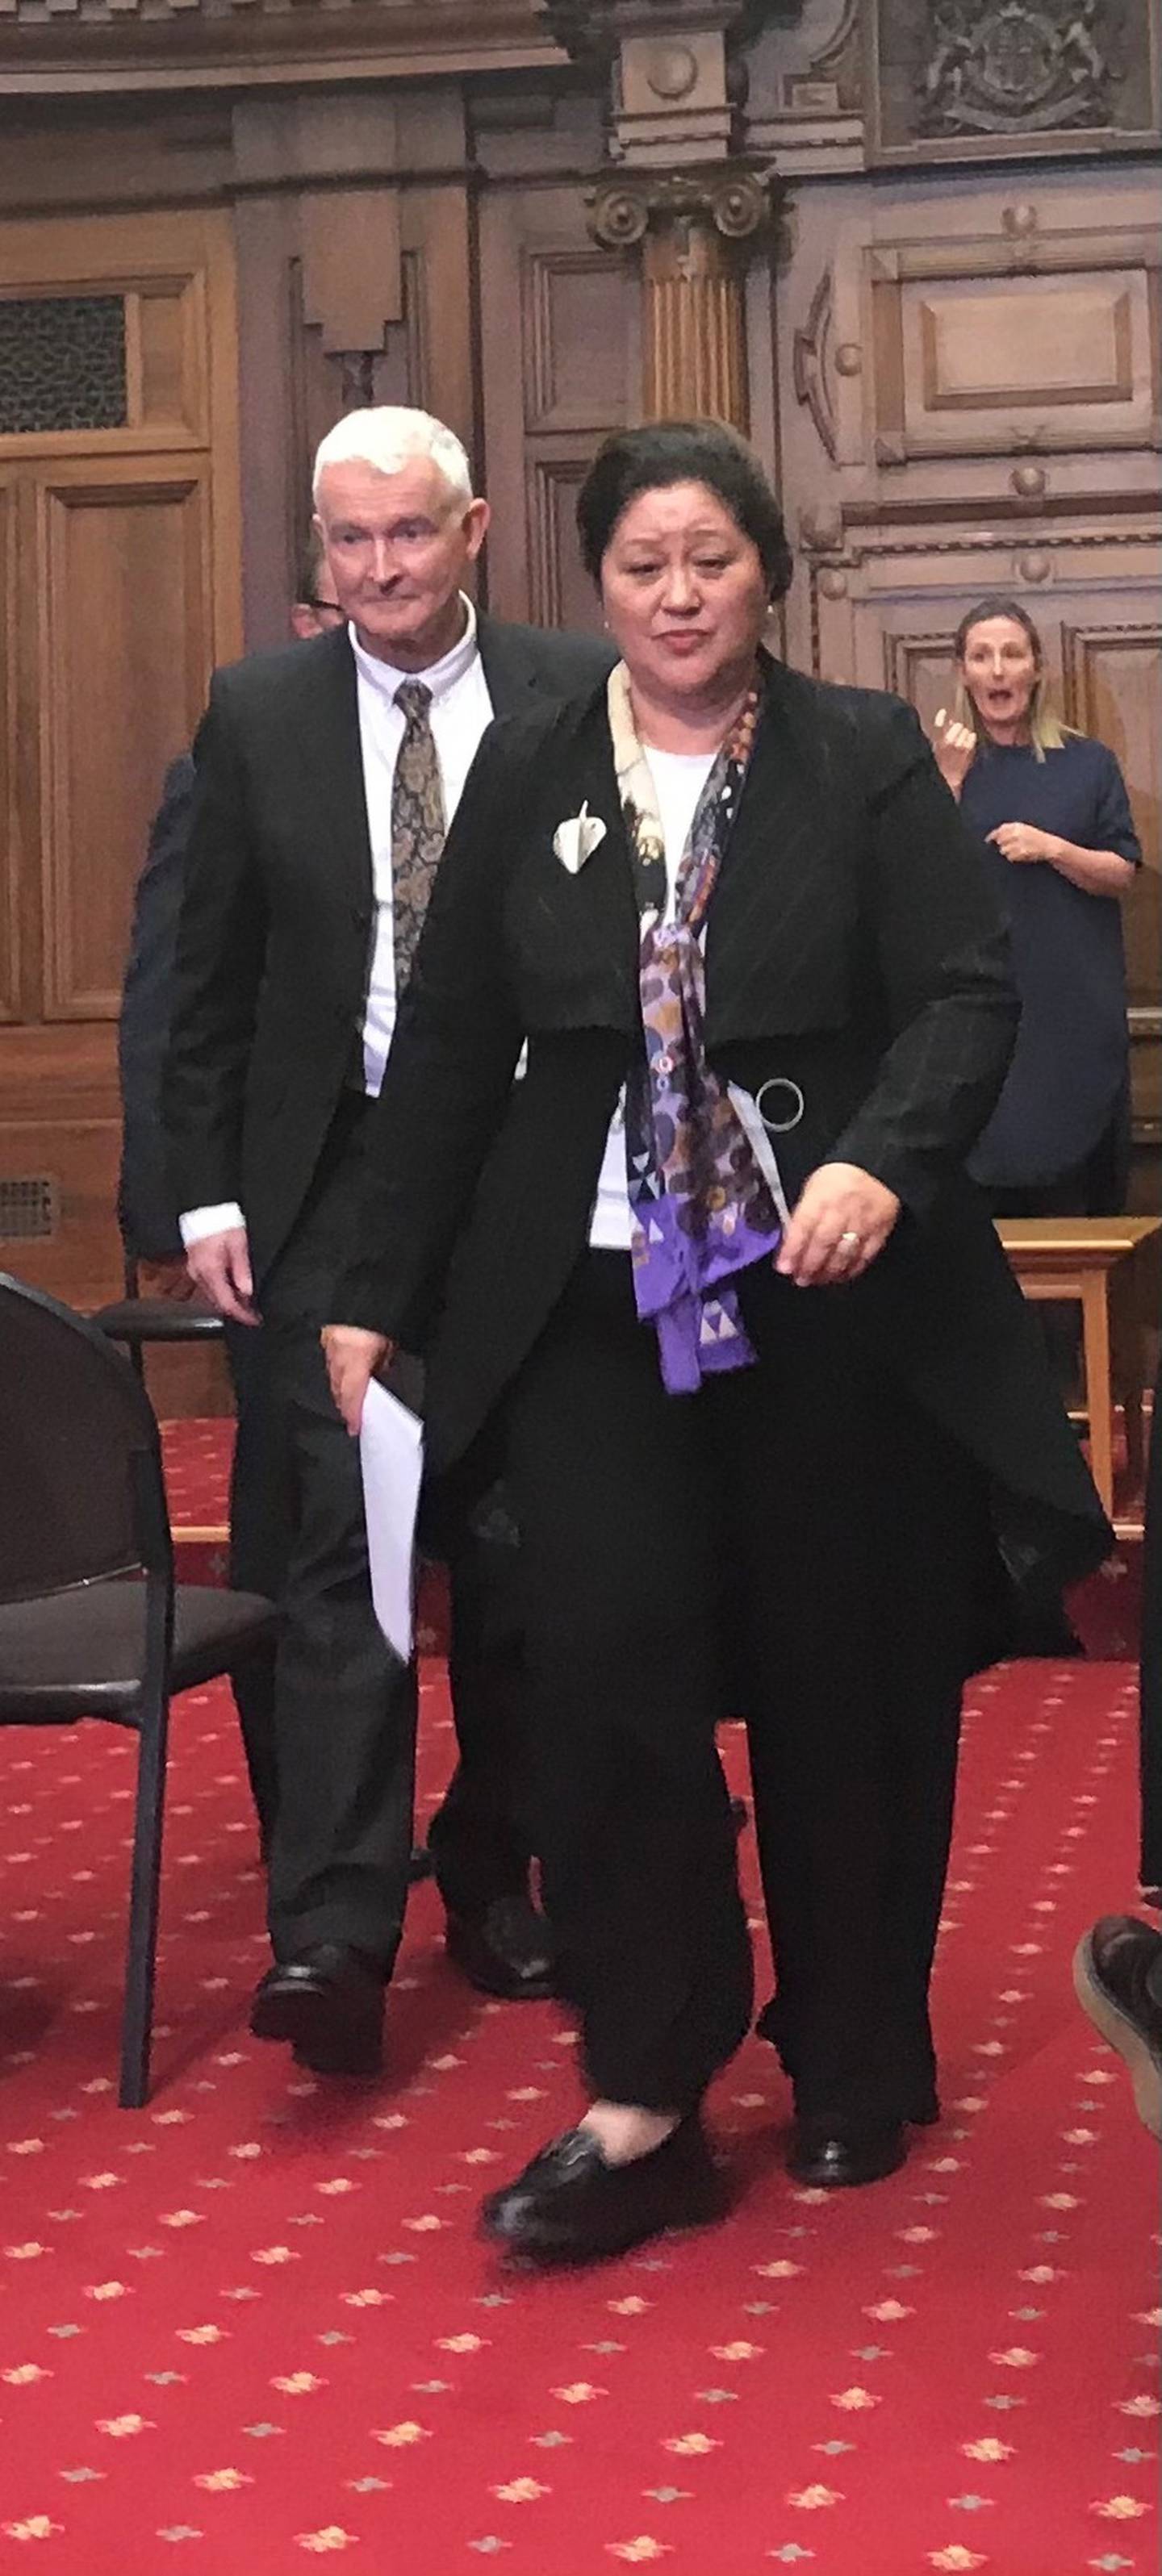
x: 417, y: 824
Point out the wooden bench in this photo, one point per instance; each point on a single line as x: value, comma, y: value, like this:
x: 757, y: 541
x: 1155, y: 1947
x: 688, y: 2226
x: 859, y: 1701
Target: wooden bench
x: 1109, y: 1266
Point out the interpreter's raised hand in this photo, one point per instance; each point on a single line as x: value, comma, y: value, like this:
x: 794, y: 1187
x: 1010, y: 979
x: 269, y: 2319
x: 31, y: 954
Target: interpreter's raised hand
x: 955, y: 747
x: 220, y: 1266
x: 841, y: 1220
x: 1022, y: 843
x: 352, y: 1358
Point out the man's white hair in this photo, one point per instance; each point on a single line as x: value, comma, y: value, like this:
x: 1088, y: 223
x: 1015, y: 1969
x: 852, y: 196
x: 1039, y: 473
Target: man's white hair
x: 388, y: 436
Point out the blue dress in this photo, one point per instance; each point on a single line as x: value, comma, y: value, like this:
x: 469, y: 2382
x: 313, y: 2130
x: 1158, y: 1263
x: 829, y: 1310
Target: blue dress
x: 1070, y: 1066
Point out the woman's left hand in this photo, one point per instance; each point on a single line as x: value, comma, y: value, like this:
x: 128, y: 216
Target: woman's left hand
x: 841, y: 1220
x: 1022, y: 842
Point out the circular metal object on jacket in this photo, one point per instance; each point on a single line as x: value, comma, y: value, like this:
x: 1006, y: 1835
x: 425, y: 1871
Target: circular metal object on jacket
x: 775, y: 1083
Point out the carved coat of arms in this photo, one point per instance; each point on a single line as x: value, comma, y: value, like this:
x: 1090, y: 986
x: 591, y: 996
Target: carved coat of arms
x: 1013, y: 67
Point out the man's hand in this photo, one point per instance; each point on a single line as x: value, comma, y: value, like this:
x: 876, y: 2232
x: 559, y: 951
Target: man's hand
x: 1022, y: 843
x: 352, y: 1358
x: 955, y: 748
x: 220, y: 1266
x: 842, y: 1219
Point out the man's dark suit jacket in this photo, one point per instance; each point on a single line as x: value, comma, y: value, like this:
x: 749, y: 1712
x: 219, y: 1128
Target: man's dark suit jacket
x: 853, y: 950
x: 278, y: 918
x: 146, y: 1211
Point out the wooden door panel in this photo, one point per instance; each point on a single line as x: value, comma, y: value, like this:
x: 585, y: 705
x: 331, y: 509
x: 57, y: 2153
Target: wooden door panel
x: 125, y: 652
x: 554, y: 384
x: 120, y: 585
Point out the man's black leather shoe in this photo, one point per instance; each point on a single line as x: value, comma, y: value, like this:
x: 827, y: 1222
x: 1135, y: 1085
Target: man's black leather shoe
x: 829, y: 2154
x: 506, y: 1950
x: 570, y: 2206
x: 329, y: 2006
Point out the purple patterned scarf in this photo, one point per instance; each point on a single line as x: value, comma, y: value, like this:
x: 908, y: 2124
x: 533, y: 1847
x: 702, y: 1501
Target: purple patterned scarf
x: 703, y: 1189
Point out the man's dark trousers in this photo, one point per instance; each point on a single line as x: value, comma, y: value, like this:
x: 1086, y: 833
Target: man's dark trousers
x: 339, y: 1855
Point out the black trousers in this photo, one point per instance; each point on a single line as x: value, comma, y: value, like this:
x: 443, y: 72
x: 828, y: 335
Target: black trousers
x: 260, y: 1542
x: 344, y: 1707
x: 796, y: 1545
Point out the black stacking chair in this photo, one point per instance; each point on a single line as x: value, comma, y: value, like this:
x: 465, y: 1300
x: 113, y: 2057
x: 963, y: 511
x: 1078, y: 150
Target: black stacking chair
x: 135, y: 1320
x: 91, y: 1623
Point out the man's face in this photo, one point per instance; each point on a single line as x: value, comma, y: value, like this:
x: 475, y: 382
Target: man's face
x: 398, y: 547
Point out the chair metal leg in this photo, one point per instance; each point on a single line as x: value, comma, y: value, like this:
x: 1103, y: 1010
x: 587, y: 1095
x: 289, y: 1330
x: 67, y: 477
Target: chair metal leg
x: 141, y: 1956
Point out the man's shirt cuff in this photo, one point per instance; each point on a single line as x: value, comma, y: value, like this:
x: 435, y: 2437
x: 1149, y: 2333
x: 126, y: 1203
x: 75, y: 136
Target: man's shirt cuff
x: 196, y: 1223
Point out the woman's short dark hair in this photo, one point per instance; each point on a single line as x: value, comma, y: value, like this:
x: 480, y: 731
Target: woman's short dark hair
x: 683, y: 451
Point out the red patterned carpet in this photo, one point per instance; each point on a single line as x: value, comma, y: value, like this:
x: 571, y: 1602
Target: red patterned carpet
x: 252, y: 2325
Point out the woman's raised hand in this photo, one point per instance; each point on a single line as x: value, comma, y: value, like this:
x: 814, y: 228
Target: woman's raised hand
x: 954, y: 745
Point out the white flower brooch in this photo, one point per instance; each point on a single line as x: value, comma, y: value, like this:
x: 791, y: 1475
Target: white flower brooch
x: 576, y: 840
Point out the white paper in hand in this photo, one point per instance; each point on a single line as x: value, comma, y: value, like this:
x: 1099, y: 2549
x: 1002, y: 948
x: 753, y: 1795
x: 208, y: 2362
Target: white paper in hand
x: 391, y: 1455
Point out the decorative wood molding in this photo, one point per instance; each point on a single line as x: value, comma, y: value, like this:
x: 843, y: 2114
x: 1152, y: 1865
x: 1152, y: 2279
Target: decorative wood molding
x: 840, y: 61
x: 811, y: 362
x: 547, y: 275
x: 352, y: 283
x: 124, y: 45
x: 93, y: 821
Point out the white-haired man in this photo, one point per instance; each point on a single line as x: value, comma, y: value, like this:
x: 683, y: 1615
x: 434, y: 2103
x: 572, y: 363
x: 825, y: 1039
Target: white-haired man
x: 327, y: 776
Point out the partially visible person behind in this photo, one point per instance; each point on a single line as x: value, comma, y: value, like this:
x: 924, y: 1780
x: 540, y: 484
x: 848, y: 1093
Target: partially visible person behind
x: 770, y: 1426
x: 1051, y: 807
x: 146, y: 1212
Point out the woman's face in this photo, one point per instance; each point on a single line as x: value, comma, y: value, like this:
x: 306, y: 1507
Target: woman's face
x: 684, y: 593
x: 1000, y: 670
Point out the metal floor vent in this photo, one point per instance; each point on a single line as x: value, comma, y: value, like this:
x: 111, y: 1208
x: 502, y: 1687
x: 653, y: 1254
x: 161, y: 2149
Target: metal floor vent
x: 29, y: 1209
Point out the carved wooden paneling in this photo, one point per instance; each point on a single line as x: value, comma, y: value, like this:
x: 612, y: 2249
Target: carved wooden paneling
x: 169, y: 276
x: 975, y: 361
x: 917, y: 667
x: 1112, y: 679
x: 578, y: 378
x: 574, y: 362
x: 561, y: 588
x: 127, y: 645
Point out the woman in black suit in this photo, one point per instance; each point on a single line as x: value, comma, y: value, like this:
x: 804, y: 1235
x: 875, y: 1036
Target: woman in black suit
x: 772, y: 1411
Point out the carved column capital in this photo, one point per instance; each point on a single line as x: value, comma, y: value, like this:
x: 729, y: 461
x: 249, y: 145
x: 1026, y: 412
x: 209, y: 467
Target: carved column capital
x: 728, y: 198
x: 696, y: 229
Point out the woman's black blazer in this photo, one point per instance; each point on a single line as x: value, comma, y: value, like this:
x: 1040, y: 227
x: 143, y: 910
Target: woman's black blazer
x: 853, y: 951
